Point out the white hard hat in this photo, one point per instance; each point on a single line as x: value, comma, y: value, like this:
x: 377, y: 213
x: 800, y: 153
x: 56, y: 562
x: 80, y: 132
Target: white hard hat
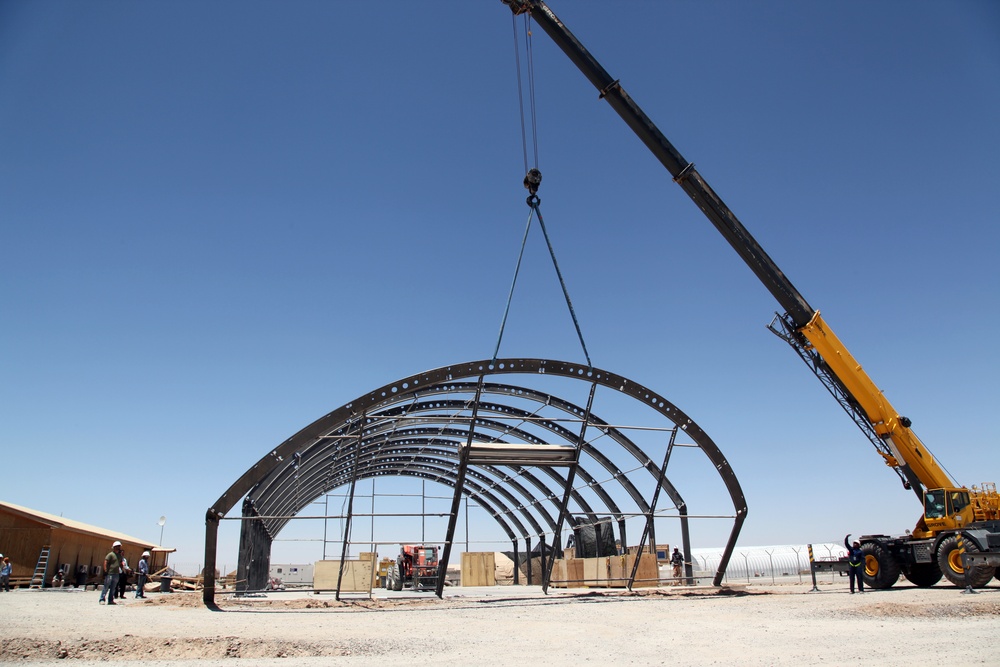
x: 116, y: 544
x: 145, y: 553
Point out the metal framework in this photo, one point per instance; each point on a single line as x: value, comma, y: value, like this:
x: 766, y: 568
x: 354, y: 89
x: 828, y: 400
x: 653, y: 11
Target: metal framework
x: 533, y: 460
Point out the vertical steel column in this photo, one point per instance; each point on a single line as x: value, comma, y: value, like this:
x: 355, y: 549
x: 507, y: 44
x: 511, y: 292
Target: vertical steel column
x: 652, y: 510
x: 686, y: 541
x: 211, y: 548
x: 652, y: 535
x: 516, y: 564
x: 350, y: 504
x: 541, y: 557
x: 568, y: 491
x: 463, y: 464
x: 527, y: 557
x: 326, y: 520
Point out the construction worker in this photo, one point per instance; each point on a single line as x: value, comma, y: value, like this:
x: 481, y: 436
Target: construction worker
x: 112, y: 562
x: 855, y: 563
x: 677, y: 560
x: 142, y: 573
x: 5, y: 569
x: 123, y: 571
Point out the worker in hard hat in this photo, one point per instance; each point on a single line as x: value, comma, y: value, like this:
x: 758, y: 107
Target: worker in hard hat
x: 142, y: 573
x: 123, y: 571
x: 112, y: 563
x: 855, y: 563
x: 5, y: 569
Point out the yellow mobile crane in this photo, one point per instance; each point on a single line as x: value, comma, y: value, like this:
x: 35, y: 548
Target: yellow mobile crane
x: 951, y: 511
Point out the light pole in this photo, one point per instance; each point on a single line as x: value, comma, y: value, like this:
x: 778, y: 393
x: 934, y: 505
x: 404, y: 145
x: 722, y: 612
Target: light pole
x: 162, y: 521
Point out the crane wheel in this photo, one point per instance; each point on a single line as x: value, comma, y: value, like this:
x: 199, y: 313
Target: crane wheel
x: 881, y: 568
x: 923, y: 575
x: 950, y: 561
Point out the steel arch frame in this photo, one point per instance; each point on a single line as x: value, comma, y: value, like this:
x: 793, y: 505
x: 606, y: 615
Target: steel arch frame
x: 364, y: 439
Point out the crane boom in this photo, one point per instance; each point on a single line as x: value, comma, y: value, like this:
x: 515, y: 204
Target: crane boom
x: 683, y: 171
x: 951, y: 515
x: 805, y: 328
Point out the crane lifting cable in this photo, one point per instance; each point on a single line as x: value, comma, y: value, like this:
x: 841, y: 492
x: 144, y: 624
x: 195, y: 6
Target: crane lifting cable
x: 529, y: 64
x: 532, y: 181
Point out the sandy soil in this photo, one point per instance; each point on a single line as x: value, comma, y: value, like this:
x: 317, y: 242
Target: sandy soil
x: 756, y: 625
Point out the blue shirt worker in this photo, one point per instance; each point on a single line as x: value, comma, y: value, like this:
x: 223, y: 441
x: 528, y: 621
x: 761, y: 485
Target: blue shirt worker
x: 142, y: 574
x: 5, y: 571
x: 855, y: 564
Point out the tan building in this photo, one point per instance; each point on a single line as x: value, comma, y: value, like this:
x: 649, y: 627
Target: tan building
x: 76, y: 548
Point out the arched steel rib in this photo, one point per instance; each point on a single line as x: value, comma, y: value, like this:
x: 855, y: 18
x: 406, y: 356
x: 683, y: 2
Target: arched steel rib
x: 346, y: 420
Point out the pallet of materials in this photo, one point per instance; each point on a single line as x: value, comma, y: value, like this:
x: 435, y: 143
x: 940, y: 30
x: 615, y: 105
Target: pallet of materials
x: 605, y: 572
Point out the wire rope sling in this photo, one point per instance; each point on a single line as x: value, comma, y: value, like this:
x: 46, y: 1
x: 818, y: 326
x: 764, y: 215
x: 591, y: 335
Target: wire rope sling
x: 532, y: 181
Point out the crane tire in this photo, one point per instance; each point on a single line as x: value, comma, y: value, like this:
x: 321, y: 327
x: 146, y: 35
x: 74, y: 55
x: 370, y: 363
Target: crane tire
x: 881, y: 569
x: 950, y: 562
x: 923, y: 575
x: 397, y: 578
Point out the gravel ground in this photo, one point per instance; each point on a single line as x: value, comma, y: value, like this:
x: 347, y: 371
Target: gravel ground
x: 753, y: 625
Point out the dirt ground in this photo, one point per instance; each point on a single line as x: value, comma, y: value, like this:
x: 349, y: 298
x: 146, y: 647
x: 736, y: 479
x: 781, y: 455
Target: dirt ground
x: 755, y: 625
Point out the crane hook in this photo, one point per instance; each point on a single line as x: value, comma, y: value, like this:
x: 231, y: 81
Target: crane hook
x: 531, y: 181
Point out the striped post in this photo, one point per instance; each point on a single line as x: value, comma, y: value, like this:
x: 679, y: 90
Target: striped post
x: 812, y: 569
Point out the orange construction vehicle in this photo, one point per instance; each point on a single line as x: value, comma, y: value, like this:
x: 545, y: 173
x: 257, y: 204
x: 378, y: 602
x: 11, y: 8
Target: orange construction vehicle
x: 416, y: 567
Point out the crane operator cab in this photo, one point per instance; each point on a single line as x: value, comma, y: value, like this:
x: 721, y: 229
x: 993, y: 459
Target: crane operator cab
x: 947, y: 508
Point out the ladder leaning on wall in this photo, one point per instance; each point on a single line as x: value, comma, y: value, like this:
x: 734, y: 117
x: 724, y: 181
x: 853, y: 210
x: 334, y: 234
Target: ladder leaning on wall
x: 41, y: 569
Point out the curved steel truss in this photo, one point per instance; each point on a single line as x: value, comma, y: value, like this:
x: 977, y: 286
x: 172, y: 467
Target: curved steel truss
x: 534, y: 460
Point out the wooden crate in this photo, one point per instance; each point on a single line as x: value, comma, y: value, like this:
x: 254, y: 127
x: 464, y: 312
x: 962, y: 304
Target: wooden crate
x: 620, y: 569
x: 373, y: 557
x: 567, y: 573
x: 648, y: 574
x: 595, y: 572
x: 357, y: 576
x: 614, y: 571
x: 559, y: 574
x: 478, y: 568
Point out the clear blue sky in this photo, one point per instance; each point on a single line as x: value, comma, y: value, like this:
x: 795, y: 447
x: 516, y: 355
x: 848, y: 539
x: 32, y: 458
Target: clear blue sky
x: 220, y: 221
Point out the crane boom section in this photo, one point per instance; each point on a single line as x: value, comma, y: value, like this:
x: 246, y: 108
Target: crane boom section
x: 886, y: 421
x: 684, y: 173
x: 907, y: 450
